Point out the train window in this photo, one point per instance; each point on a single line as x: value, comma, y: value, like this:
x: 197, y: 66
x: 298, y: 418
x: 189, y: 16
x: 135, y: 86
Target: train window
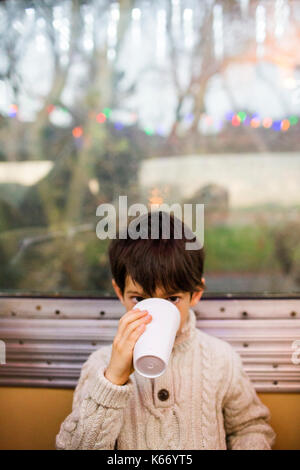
x: 163, y: 102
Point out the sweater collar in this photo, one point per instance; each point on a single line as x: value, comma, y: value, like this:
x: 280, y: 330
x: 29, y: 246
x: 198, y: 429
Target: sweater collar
x: 186, y: 335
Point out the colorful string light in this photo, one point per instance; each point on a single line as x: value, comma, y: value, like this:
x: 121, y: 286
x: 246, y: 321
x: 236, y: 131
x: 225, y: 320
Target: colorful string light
x: 13, y: 110
x: 77, y: 132
x: 247, y: 121
x: 50, y: 108
x: 149, y: 130
x: 101, y: 117
x: 267, y: 123
x: 293, y: 120
x: 236, y: 119
x: 188, y: 118
x: 255, y: 122
x: 107, y: 112
x: 229, y: 116
x: 242, y: 115
x: 276, y: 126
x: 285, y: 124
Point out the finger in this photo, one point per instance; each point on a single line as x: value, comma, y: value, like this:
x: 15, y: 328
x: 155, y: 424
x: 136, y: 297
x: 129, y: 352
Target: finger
x: 129, y: 343
x: 130, y: 317
x: 135, y: 334
x: 132, y: 330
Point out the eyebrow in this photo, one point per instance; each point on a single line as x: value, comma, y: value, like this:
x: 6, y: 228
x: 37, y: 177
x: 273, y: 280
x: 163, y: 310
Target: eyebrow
x: 142, y: 295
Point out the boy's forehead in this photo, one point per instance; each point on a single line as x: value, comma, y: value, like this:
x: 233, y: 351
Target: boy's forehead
x: 134, y: 287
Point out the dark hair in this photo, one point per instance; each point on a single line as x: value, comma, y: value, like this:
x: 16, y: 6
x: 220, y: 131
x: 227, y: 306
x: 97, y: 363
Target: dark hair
x: 160, y: 262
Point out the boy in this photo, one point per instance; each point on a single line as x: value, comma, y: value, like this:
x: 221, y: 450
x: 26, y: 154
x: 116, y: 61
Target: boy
x: 204, y: 400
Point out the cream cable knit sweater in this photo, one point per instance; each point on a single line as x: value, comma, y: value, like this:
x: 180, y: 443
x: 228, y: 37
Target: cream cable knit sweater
x: 207, y: 402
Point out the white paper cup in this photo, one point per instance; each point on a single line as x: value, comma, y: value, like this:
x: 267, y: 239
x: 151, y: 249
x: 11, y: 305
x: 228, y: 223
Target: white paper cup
x: 153, y: 348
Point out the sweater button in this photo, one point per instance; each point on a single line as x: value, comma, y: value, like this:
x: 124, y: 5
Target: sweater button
x: 163, y: 394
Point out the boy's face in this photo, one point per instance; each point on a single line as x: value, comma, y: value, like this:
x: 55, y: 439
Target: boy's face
x: 133, y: 293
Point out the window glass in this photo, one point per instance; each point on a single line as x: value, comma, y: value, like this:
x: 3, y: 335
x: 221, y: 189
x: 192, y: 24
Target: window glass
x: 176, y: 101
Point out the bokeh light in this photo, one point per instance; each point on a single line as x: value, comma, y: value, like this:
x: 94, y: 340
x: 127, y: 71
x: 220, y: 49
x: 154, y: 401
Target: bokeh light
x: 267, y: 122
x: 236, y: 121
x: 101, y: 117
x: 255, y: 122
x: 13, y: 110
x: 285, y: 125
x: 77, y: 132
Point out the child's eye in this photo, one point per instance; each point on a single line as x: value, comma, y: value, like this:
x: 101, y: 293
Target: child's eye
x: 137, y: 297
x: 173, y: 298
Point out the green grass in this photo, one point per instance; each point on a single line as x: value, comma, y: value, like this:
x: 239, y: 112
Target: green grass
x: 229, y: 249
x: 238, y: 249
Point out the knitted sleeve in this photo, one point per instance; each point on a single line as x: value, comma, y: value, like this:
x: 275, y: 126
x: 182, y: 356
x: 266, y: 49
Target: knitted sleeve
x: 97, y: 409
x: 246, y: 418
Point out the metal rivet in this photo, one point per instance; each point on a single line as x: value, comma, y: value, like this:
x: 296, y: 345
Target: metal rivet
x: 57, y: 312
x: 275, y: 382
x: 21, y: 342
x: 102, y: 312
x: 222, y: 309
x: 275, y: 366
x: 244, y: 314
x: 245, y: 345
x: 293, y: 314
x: 94, y: 343
x: 13, y: 314
x: 38, y: 307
